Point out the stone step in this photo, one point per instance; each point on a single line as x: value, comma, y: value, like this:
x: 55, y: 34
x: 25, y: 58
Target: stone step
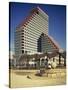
x: 55, y: 73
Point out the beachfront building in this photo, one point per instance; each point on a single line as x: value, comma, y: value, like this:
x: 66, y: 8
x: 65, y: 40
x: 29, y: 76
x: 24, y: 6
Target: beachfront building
x: 32, y: 37
x: 28, y: 32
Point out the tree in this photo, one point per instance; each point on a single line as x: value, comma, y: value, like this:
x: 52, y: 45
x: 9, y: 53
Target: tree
x: 64, y: 56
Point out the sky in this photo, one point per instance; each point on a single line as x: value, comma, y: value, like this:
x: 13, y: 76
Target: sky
x: 57, y: 20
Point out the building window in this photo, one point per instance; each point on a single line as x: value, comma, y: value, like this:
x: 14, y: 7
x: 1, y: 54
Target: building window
x: 22, y: 51
x: 22, y: 42
x: 22, y: 36
x: 22, y: 33
x: 22, y: 47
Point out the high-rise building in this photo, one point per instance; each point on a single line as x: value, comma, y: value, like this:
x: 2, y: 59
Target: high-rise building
x: 31, y: 36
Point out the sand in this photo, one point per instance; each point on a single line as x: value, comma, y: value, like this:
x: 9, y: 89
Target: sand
x: 18, y: 78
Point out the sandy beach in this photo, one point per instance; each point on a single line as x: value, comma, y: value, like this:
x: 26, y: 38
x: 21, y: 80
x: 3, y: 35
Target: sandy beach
x: 18, y: 78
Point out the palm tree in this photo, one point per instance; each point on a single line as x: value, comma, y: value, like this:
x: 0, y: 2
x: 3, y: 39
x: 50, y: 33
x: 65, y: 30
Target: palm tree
x: 64, y: 56
x: 28, y: 59
x: 37, y: 59
x: 59, y: 58
x: 14, y: 57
